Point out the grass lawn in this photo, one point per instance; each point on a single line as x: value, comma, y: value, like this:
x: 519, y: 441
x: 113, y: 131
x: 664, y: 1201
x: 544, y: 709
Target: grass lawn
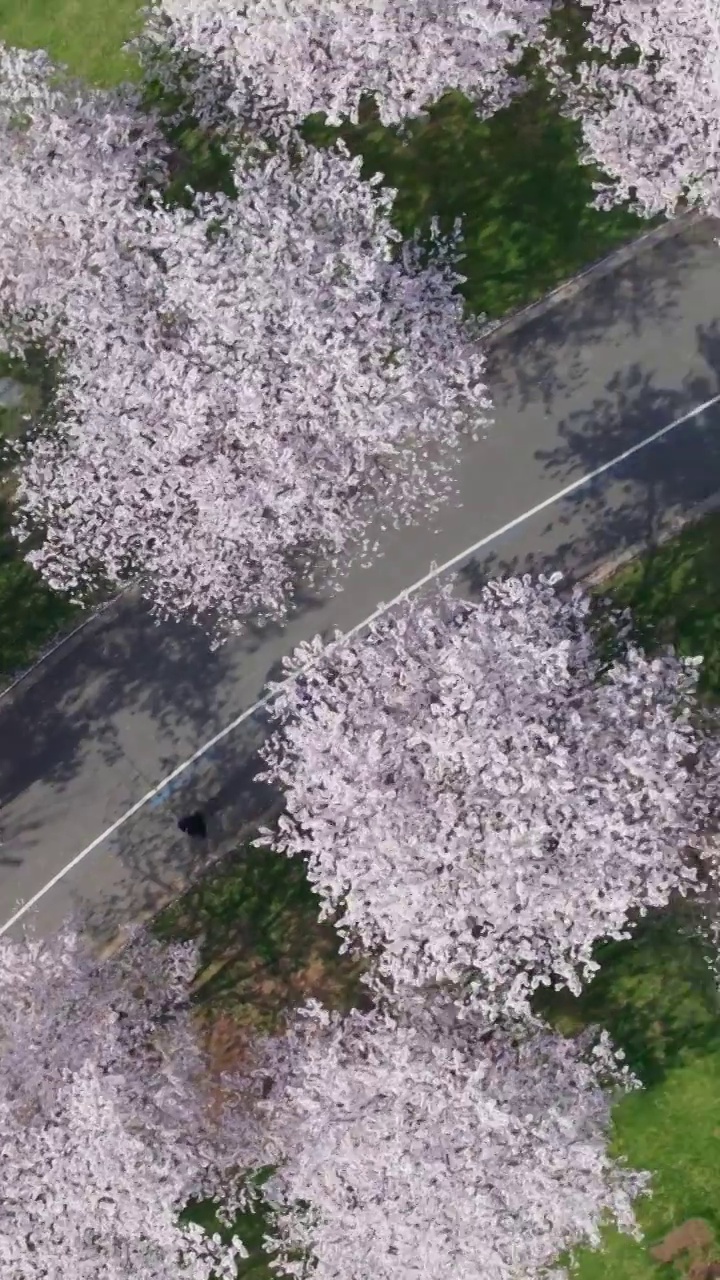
x: 514, y: 180
x: 31, y: 615
x: 657, y: 998
x: 674, y: 593
x: 87, y: 35
x: 263, y: 948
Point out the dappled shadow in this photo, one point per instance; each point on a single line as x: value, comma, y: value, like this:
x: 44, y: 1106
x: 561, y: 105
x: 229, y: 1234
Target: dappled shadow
x: 149, y: 860
x: 629, y: 506
x: 674, y: 594
x: 581, y: 433
x: 121, y: 661
x: 513, y: 179
x: 310, y: 587
x: 633, y: 503
x: 263, y: 950
x: 125, y: 678
x: 631, y: 409
x: 551, y: 353
x: 655, y: 994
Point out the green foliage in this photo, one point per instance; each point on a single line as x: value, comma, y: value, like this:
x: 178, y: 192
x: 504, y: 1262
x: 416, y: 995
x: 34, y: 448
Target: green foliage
x: 514, y: 180
x: 657, y: 998
x: 199, y: 163
x: 655, y: 994
x: 674, y: 595
x: 673, y: 1130
x: 30, y: 613
x: 250, y: 1227
x: 263, y: 949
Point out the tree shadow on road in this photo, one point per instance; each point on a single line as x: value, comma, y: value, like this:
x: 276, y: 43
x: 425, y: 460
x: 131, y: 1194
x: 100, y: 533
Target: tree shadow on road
x: 628, y: 505
x: 549, y: 355
x: 148, y: 861
x: 636, y: 501
x: 124, y: 666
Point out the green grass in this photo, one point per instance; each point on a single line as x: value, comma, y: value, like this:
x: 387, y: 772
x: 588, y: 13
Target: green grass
x: 656, y: 997
x: 516, y: 183
x: 263, y: 949
x: 87, y: 35
x: 673, y: 1130
x: 674, y: 593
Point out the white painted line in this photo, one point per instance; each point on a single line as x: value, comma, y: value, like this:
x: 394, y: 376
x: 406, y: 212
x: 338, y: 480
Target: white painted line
x: 436, y: 571
x: 492, y: 331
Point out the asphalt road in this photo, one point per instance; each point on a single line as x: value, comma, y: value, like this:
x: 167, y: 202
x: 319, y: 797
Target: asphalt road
x: 116, y: 709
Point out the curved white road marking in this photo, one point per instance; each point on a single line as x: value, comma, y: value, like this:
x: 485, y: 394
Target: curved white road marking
x: 436, y: 571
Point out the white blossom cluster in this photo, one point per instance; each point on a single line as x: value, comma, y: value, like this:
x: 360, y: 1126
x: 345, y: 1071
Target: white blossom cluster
x: 291, y: 58
x: 653, y: 128
x: 106, y: 1127
x: 73, y: 163
x: 474, y: 800
x: 479, y: 795
x: 243, y: 385
x: 422, y: 1145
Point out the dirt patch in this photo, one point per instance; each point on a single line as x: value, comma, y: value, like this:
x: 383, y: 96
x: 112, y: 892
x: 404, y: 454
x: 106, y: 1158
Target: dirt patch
x: 690, y: 1243
x: 704, y: 1271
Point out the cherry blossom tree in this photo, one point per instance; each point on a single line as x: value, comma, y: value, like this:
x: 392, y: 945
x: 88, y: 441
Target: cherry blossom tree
x: 426, y: 1144
x: 478, y: 797
x: 651, y: 122
x: 286, y: 59
x: 107, y: 1129
x: 74, y: 161
x: 245, y: 385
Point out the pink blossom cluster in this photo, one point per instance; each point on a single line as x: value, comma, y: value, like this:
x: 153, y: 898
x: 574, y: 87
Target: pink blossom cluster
x: 243, y: 385
x: 651, y: 124
x: 74, y: 162
x: 479, y: 800
x: 419, y: 1143
x: 291, y: 58
x: 107, y: 1129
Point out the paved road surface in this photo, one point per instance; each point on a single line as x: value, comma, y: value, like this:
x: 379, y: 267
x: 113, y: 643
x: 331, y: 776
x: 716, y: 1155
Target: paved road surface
x: 116, y: 710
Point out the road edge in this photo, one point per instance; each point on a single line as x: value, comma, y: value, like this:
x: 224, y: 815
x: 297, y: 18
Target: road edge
x: 610, y: 262
x: 607, y: 569
x: 490, y: 332
x: 603, y: 572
